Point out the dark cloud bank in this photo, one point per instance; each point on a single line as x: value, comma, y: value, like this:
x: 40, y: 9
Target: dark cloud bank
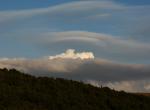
x: 77, y: 69
x: 83, y: 66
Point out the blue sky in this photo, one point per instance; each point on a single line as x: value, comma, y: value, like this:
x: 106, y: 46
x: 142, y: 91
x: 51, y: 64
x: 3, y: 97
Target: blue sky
x: 23, y: 23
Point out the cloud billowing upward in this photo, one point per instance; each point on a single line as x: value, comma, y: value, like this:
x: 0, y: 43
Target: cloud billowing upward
x: 70, y: 54
x: 74, y: 66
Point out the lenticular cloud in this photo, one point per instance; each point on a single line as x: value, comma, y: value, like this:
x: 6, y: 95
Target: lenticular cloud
x: 71, y: 54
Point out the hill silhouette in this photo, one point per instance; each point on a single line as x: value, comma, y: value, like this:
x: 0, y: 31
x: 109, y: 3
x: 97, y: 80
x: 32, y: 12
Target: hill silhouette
x: 19, y: 91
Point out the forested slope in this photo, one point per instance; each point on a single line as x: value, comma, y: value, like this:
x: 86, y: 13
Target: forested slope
x: 19, y: 91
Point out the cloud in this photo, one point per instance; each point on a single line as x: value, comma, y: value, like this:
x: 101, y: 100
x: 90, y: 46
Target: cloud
x: 114, y: 46
x: 107, y: 71
x: 129, y: 86
x: 98, y: 16
x: 66, y: 8
x: 77, y: 66
x: 42, y: 66
x: 95, y: 38
x: 82, y: 69
x: 62, y: 63
x: 70, y: 54
x: 147, y: 87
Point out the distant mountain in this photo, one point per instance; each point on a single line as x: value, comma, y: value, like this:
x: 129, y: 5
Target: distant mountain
x: 19, y: 91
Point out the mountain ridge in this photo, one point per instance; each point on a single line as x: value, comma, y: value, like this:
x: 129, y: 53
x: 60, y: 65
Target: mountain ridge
x: 20, y: 91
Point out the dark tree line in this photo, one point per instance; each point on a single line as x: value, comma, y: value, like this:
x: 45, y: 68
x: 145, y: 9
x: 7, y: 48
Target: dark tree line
x: 19, y: 91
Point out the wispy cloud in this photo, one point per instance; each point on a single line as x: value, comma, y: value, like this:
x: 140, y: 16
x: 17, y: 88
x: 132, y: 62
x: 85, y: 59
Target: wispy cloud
x: 86, y: 36
x: 66, y: 8
x: 99, y: 16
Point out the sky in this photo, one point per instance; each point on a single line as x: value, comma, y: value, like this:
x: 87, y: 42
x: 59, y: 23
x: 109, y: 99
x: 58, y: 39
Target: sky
x: 109, y: 38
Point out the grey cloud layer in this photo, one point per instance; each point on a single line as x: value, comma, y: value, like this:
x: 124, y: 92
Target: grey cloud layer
x: 96, y: 71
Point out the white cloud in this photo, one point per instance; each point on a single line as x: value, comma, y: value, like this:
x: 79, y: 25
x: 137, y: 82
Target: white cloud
x: 71, y: 54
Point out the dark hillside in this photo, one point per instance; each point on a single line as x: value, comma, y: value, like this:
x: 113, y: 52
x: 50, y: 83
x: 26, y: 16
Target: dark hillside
x: 20, y: 91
